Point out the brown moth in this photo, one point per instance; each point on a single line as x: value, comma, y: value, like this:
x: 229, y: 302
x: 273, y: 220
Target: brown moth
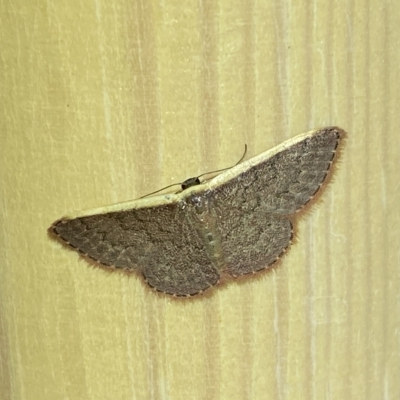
x: 239, y: 222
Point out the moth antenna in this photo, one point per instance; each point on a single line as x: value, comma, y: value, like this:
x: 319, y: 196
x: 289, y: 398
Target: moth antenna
x: 224, y: 169
x: 195, y: 181
x: 159, y: 190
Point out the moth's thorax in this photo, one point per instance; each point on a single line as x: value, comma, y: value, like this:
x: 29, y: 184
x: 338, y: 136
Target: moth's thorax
x: 200, y: 210
x: 199, y: 203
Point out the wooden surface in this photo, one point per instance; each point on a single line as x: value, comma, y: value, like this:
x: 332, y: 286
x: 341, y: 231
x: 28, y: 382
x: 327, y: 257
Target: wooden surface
x: 102, y: 102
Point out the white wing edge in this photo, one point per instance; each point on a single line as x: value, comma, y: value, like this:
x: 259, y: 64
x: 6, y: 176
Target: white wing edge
x: 154, y: 201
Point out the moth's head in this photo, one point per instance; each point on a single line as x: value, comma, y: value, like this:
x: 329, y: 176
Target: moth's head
x: 190, y: 182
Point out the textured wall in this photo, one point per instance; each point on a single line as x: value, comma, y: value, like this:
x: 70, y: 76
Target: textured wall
x: 102, y: 102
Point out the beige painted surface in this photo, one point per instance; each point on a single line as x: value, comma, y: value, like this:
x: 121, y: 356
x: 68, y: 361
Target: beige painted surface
x: 102, y: 102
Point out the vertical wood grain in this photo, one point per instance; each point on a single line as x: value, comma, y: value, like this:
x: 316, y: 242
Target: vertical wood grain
x: 102, y: 102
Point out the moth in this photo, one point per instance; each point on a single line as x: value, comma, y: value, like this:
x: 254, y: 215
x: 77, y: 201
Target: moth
x: 237, y: 223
